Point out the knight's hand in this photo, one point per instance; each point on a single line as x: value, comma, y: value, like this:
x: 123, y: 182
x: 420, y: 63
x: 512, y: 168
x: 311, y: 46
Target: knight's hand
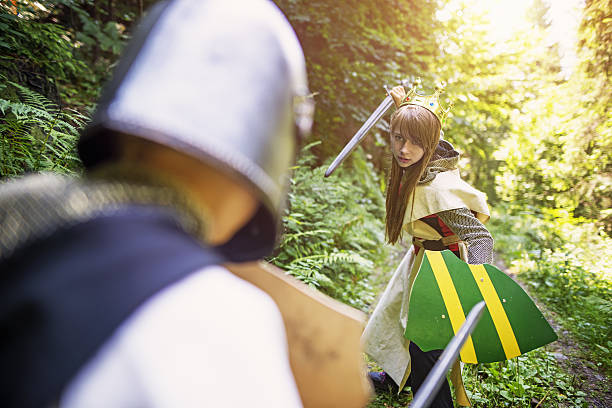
x: 398, y: 93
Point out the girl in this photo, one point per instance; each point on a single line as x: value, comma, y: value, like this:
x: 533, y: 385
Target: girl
x: 426, y: 198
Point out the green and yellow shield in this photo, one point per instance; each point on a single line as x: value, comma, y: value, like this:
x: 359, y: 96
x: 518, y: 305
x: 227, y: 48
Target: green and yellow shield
x: 445, y: 290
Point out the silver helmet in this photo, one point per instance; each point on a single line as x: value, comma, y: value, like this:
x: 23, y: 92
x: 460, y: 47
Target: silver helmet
x: 177, y: 84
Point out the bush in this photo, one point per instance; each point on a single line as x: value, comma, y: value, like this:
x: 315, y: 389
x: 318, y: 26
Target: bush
x: 334, y: 229
x: 524, y: 381
x: 566, y: 262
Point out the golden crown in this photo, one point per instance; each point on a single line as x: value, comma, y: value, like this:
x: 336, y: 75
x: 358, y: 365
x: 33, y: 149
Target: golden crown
x: 429, y: 102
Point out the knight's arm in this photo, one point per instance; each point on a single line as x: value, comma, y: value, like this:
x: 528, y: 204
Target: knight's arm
x: 470, y: 230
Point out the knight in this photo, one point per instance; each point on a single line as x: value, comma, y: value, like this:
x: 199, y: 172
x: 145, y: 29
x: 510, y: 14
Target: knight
x: 113, y: 290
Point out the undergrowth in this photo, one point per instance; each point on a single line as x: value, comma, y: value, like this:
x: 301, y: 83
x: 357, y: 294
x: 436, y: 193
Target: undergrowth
x: 36, y: 134
x: 333, y: 229
x: 533, y: 379
x: 566, y: 263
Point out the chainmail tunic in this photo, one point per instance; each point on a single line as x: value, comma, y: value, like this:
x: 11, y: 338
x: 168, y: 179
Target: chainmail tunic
x: 460, y: 220
x: 35, y: 206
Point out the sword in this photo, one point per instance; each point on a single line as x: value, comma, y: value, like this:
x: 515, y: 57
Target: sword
x: 434, y: 379
x: 369, y: 123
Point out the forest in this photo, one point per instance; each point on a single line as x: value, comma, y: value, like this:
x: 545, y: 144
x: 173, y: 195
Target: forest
x: 534, y: 128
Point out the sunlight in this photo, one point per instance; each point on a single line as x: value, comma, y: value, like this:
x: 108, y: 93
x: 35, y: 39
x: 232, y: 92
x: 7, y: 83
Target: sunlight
x: 509, y: 17
x: 565, y: 17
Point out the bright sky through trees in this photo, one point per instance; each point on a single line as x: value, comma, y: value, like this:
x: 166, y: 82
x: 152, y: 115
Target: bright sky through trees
x: 508, y: 17
x: 565, y: 17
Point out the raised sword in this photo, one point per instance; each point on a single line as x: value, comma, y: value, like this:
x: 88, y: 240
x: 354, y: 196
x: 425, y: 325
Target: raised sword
x: 368, y: 124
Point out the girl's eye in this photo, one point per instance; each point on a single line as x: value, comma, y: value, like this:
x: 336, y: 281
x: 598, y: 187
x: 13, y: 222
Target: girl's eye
x: 416, y: 143
x: 398, y: 137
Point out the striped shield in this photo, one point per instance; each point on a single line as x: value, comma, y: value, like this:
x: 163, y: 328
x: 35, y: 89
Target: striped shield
x: 446, y: 288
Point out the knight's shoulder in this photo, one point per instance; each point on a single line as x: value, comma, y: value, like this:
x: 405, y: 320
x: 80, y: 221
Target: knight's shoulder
x: 33, y: 182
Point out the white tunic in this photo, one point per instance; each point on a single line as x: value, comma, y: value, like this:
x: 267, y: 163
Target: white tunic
x: 209, y: 340
x: 383, y: 337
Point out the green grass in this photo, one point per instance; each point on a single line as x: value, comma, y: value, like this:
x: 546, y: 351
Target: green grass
x: 566, y: 263
x: 526, y: 381
x: 333, y: 229
x: 389, y: 399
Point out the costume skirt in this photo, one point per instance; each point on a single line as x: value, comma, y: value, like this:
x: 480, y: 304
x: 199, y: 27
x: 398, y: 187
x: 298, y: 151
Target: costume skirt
x: 383, y: 338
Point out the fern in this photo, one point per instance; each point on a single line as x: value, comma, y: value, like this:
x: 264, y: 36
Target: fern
x: 36, y: 134
x: 333, y: 258
x: 333, y: 229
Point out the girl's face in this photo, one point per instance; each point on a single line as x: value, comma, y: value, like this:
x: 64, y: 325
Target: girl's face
x: 404, y: 150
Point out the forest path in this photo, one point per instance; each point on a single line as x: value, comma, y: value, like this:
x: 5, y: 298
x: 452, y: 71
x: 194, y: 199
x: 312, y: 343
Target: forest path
x: 570, y: 354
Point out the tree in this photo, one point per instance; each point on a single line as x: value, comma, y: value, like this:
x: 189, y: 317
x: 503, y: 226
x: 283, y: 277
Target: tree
x: 55, y: 57
x: 559, y: 154
x: 352, y: 49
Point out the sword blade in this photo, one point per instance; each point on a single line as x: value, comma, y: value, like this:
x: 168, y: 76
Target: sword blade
x: 434, y: 379
x: 368, y: 124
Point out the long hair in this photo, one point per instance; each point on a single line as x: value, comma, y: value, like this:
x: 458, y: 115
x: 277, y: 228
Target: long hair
x: 423, y: 129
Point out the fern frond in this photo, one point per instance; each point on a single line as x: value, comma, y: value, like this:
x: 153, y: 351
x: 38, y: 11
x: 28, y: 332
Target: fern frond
x: 37, y: 135
x: 334, y: 258
x: 35, y: 99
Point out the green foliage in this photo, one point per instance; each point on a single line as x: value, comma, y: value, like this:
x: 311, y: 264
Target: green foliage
x: 566, y: 262
x: 54, y: 57
x: 524, y: 381
x: 477, y: 84
x: 559, y: 154
x: 61, y: 49
x: 333, y: 230
x: 36, y: 54
x: 561, y: 159
x: 595, y: 39
x: 352, y: 49
x: 35, y: 134
x: 490, y: 82
x: 391, y: 400
x: 579, y: 295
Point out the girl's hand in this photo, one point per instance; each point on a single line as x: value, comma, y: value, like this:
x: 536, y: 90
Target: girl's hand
x: 398, y: 93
